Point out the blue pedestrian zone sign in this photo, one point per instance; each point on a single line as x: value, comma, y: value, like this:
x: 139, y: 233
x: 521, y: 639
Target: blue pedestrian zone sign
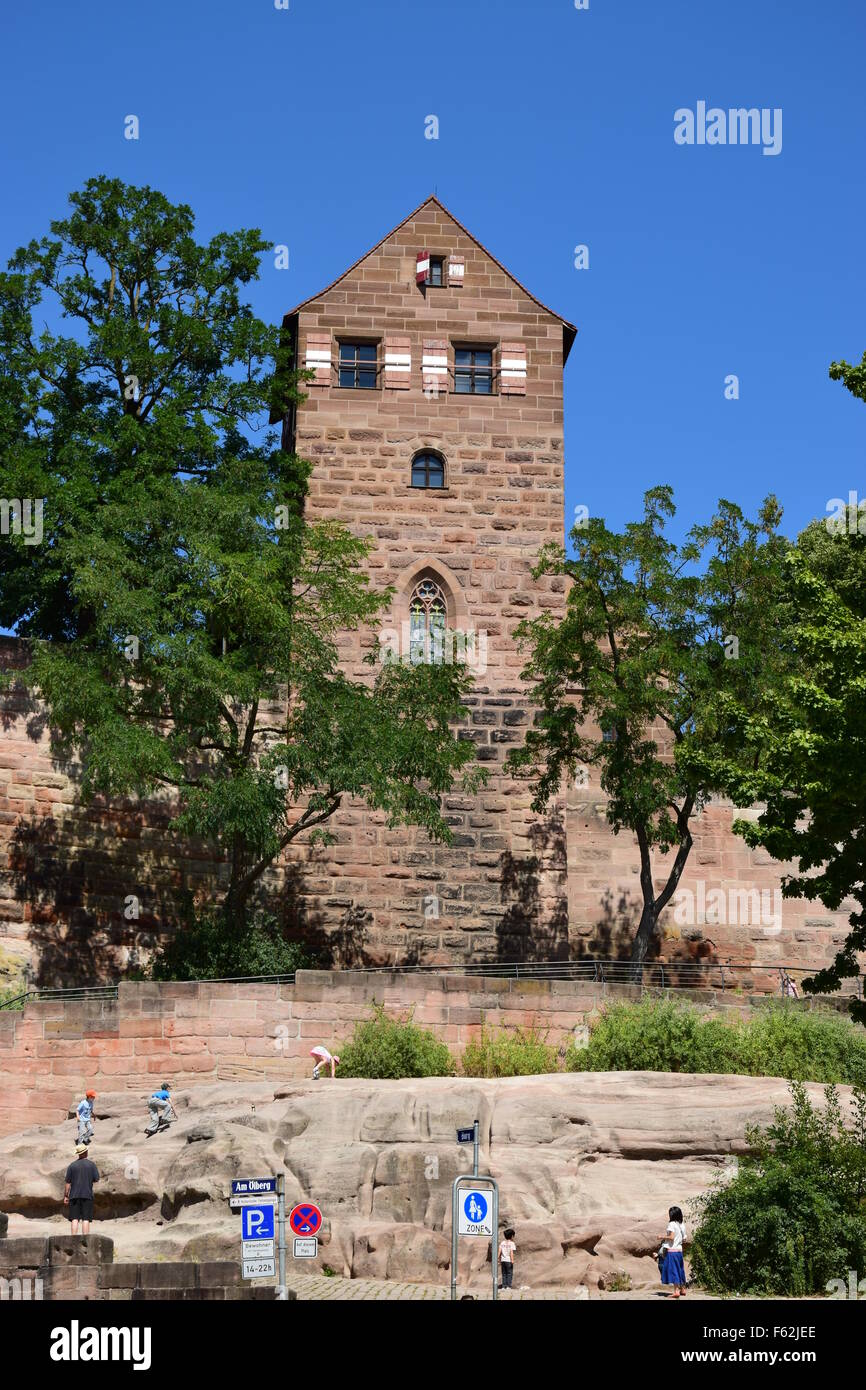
x: 475, y: 1206
x: 257, y: 1223
x: 474, y: 1214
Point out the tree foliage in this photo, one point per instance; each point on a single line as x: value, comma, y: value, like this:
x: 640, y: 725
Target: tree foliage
x: 182, y: 615
x: 633, y: 678
x: 792, y: 1218
x: 806, y: 735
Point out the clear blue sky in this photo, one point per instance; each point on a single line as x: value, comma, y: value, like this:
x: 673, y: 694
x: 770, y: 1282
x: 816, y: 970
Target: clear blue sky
x: 556, y: 128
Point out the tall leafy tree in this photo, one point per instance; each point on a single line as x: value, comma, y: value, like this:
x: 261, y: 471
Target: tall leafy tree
x: 807, y: 735
x: 183, y: 619
x: 633, y: 679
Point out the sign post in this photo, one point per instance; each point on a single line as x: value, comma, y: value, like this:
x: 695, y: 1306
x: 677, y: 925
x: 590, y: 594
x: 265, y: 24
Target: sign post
x: 256, y: 1199
x: 281, y: 1227
x: 257, y: 1241
x: 474, y: 1212
x: 470, y: 1136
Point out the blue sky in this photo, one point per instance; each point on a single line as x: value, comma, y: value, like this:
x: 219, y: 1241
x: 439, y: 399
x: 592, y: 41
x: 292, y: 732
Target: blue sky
x: 555, y: 129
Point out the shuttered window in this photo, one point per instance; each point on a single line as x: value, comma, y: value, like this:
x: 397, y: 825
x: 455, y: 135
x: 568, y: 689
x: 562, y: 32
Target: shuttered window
x: 358, y: 365
x: 473, y: 371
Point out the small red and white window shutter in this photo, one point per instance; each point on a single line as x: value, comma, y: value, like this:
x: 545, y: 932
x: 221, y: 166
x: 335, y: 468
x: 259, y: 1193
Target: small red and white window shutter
x: 422, y: 268
x: 398, y: 361
x: 318, y: 358
x: 512, y: 369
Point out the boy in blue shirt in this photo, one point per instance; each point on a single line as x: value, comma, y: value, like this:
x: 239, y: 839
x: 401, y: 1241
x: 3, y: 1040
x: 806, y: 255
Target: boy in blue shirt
x: 160, y: 1107
x: 84, y: 1114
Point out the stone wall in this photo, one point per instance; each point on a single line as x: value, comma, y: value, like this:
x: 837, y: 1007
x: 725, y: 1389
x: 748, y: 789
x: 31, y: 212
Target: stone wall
x: 66, y: 873
x: 193, y: 1034
x: 82, y: 1268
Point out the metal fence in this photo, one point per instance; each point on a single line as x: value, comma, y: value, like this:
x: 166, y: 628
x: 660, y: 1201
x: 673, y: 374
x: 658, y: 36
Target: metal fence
x: 748, y: 976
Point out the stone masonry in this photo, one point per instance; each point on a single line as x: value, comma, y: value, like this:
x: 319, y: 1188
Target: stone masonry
x: 511, y: 885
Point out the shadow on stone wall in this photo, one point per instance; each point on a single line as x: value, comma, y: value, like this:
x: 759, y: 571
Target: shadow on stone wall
x: 534, y: 924
x: 82, y: 885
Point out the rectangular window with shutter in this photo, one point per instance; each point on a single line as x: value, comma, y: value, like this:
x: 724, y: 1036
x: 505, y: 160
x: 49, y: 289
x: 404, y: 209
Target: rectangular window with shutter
x: 358, y: 365
x: 473, y: 371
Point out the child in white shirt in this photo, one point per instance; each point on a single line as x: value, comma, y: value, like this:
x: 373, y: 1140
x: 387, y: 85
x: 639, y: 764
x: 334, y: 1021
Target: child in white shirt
x: 507, y: 1250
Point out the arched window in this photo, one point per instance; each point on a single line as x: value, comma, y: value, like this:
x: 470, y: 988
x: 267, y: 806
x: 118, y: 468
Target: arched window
x: 428, y: 470
x: 428, y: 617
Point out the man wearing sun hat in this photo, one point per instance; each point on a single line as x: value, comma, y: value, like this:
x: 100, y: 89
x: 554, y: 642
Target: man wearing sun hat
x: 78, y: 1191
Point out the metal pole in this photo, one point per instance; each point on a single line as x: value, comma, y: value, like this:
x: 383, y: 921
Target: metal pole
x: 454, y: 1240
x: 495, y: 1251
x: 281, y: 1218
x: 475, y: 1150
x: 455, y: 1193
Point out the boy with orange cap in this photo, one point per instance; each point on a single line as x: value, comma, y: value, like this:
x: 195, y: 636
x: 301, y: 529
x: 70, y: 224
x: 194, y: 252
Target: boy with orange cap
x: 85, y: 1118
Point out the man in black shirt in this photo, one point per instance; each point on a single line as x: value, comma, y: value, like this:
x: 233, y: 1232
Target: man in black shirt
x: 78, y: 1193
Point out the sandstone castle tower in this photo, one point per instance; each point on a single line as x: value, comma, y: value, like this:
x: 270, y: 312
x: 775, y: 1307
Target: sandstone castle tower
x: 435, y: 426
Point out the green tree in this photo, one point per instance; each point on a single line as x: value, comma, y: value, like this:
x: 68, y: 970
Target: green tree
x: 792, y: 1218
x: 806, y: 736
x: 655, y: 638
x: 182, y: 616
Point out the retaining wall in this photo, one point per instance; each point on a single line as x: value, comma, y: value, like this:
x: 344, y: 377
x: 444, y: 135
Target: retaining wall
x: 191, y: 1034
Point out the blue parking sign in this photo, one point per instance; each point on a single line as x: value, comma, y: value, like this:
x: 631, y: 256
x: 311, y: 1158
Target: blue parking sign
x: 257, y: 1223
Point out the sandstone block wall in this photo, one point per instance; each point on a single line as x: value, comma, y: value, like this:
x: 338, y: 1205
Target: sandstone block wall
x: 82, y: 1269
x: 194, y: 1034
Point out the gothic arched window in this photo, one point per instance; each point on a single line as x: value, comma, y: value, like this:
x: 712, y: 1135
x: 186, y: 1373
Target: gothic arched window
x: 428, y: 470
x: 428, y: 617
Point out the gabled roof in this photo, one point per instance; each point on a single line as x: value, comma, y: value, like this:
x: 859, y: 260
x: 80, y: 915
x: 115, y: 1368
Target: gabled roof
x: 569, y: 330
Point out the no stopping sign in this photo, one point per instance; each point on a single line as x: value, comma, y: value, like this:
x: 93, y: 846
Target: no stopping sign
x: 305, y: 1219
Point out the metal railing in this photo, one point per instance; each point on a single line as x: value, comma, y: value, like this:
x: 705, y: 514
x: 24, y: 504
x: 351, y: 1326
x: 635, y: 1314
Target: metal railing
x: 674, y: 974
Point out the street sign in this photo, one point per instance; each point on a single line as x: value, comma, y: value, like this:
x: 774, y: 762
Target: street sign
x: 266, y: 1200
x: 305, y: 1219
x: 253, y: 1187
x: 257, y: 1249
x: 465, y: 1136
x: 305, y: 1247
x: 474, y: 1215
x: 257, y: 1223
x: 258, y: 1269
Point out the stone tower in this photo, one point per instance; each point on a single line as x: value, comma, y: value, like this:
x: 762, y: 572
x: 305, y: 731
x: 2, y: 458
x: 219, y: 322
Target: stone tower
x: 434, y: 424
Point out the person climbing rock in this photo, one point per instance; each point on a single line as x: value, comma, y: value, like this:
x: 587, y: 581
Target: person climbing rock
x: 84, y: 1114
x: 160, y: 1108
x: 323, y: 1058
x: 78, y: 1191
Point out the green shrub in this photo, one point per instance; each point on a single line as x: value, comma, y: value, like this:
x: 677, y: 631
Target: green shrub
x: 794, y: 1216
x: 210, y: 949
x: 510, y: 1052
x: 777, y: 1040
x: 813, y: 1046
x: 383, y: 1047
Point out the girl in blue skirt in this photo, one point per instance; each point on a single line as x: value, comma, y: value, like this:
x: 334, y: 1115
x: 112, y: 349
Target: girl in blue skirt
x: 673, y: 1269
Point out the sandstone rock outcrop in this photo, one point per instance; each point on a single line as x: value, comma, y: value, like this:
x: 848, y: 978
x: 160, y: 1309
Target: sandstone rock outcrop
x: 587, y: 1164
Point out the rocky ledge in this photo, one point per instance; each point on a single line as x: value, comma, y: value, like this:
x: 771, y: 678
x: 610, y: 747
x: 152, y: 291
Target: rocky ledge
x: 587, y: 1164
